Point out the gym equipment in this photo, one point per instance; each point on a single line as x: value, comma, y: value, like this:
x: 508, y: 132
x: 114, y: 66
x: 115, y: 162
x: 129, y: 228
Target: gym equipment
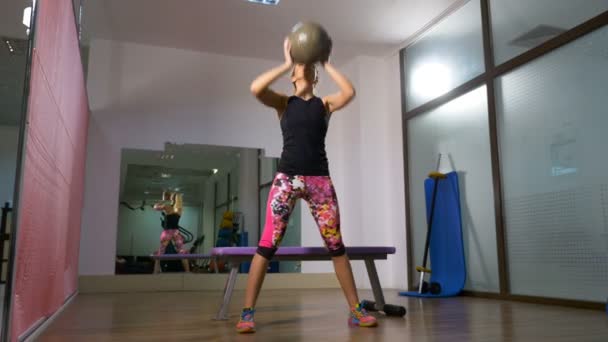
x: 388, y: 309
x: 445, y: 244
x: 437, y: 176
x: 435, y: 288
x: 423, y: 288
x: 432, y: 288
x: 236, y: 255
x: 141, y: 207
x: 310, y: 43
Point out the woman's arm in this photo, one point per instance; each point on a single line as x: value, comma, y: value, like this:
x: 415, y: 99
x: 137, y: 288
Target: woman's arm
x: 260, y: 86
x: 178, y: 203
x: 346, y: 93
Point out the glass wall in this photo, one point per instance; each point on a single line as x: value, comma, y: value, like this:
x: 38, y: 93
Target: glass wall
x: 16, y: 38
x: 539, y: 137
x: 519, y: 25
x: 459, y: 131
x: 552, y: 122
x: 447, y: 56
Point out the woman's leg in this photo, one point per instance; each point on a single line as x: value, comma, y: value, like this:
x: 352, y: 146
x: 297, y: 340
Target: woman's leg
x: 281, y: 201
x: 344, y: 273
x: 165, y: 238
x: 321, y: 197
x: 178, y: 242
x: 257, y: 273
x: 323, y: 203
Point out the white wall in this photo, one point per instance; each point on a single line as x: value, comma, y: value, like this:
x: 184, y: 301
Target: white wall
x: 9, y: 144
x: 139, y: 231
x: 365, y: 151
x: 142, y: 96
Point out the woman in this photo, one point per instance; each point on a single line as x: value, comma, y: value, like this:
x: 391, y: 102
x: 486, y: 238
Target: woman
x: 172, y: 209
x: 303, y: 172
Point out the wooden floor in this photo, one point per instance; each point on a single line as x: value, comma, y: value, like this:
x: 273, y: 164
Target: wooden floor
x: 317, y: 315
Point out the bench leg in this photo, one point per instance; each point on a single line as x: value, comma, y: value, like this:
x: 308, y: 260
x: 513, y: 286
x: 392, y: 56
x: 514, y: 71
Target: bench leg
x: 228, y: 288
x: 375, y: 281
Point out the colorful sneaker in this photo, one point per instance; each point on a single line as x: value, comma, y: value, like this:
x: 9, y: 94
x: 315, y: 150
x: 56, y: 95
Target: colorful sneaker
x: 360, y: 317
x: 246, y: 324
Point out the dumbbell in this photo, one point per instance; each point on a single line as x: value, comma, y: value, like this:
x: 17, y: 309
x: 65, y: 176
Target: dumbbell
x: 388, y: 309
x: 433, y: 287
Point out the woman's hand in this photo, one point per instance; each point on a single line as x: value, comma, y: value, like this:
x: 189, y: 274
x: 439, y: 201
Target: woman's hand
x: 325, y: 63
x: 287, y: 52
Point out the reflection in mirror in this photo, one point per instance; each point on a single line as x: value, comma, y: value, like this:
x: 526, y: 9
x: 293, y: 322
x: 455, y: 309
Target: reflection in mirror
x: 187, y: 199
x: 15, y: 26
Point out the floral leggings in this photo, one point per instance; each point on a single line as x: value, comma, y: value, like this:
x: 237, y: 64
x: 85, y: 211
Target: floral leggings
x: 320, y: 194
x: 171, y: 235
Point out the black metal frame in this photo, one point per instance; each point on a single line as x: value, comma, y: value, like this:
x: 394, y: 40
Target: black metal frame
x: 8, y: 298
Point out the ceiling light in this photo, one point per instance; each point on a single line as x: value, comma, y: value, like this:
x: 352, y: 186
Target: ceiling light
x: 215, y: 171
x: 146, y: 192
x: 165, y: 175
x: 9, y: 46
x: 431, y: 80
x: 265, y: 2
x: 27, y: 16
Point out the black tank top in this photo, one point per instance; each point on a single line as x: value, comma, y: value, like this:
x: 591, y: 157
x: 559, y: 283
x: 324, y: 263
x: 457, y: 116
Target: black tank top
x: 304, y: 125
x: 171, y: 221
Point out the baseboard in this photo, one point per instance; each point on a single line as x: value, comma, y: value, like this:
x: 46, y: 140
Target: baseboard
x: 580, y: 304
x: 31, y: 334
x: 199, y: 282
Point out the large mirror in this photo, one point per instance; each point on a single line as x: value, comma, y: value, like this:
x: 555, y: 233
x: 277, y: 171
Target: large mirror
x: 187, y: 199
x: 15, y: 56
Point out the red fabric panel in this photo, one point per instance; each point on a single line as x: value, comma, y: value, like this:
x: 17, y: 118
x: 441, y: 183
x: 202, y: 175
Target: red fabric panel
x: 53, y: 176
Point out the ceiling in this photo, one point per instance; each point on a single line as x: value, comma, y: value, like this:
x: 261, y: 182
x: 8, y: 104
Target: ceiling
x: 185, y: 166
x: 241, y: 28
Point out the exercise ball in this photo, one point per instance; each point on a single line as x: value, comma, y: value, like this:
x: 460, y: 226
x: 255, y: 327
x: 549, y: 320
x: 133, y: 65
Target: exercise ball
x: 310, y: 43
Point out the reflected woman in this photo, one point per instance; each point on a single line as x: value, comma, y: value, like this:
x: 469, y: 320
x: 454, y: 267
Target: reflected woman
x: 172, y: 208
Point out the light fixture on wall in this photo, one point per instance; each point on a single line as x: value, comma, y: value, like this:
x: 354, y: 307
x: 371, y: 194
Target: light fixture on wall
x: 165, y: 175
x: 9, y: 46
x: 27, y: 16
x: 430, y: 80
x: 265, y: 2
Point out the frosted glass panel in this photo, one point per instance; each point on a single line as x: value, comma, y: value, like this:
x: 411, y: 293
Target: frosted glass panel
x: 519, y: 25
x: 222, y: 190
x: 459, y: 131
x: 552, y: 122
x: 234, y: 184
x: 447, y: 56
x: 267, y: 169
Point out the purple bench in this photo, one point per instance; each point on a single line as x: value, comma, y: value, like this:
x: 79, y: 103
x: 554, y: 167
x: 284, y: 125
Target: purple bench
x: 236, y: 255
